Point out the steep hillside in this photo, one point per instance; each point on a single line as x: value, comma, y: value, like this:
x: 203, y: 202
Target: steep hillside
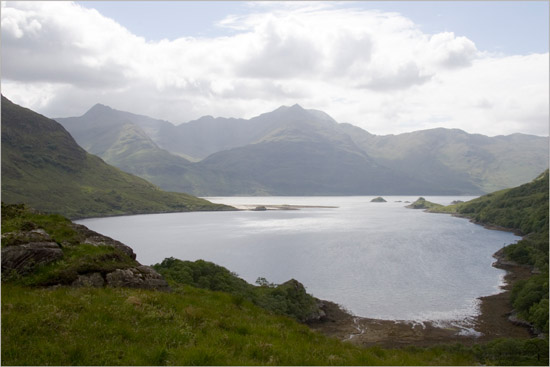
x: 120, y: 139
x: 44, y: 167
x: 523, y: 208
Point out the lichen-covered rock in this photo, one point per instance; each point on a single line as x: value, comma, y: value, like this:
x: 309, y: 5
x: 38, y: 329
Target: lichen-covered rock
x: 24, y: 258
x: 93, y: 238
x: 89, y: 280
x: 18, y: 238
x: 139, y: 277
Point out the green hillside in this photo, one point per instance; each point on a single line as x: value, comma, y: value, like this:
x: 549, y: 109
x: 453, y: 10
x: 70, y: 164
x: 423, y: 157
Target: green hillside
x: 522, y: 209
x: 44, y: 167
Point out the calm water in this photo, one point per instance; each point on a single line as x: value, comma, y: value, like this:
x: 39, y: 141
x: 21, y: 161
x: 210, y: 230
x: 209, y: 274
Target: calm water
x: 378, y: 260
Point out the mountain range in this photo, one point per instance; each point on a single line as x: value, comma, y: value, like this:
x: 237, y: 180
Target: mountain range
x: 44, y: 167
x: 297, y: 151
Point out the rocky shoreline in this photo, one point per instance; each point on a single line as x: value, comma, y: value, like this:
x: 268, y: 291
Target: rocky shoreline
x: 495, y: 320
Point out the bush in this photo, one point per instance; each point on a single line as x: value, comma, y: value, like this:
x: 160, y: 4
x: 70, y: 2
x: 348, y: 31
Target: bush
x: 290, y: 298
x: 508, y: 352
x: 530, y: 299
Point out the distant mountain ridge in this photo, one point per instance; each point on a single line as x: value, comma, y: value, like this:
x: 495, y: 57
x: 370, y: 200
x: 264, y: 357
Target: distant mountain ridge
x: 296, y: 151
x: 43, y: 166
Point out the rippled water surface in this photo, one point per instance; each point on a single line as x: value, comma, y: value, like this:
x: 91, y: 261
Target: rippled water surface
x: 378, y: 260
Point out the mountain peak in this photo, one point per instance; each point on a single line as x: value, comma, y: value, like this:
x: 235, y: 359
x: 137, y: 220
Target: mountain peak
x: 296, y: 106
x: 98, y: 108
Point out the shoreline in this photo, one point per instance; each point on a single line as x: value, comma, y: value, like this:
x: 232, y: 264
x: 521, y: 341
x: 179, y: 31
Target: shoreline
x: 492, y: 321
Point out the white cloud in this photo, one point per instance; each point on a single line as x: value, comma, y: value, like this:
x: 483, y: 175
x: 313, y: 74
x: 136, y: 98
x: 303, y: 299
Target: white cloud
x: 373, y: 69
x: 451, y: 51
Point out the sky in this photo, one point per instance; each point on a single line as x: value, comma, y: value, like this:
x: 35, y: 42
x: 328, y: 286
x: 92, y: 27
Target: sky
x: 386, y: 66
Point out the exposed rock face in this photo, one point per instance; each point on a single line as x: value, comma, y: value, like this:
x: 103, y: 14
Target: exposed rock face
x: 93, y: 238
x: 24, y: 258
x: 141, y: 276
x: 89, y: 280
x: 138, y: 277
x: 18, y: 238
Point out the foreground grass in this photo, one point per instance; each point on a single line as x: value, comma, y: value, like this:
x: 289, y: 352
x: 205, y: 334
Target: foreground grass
x: 88, y: 326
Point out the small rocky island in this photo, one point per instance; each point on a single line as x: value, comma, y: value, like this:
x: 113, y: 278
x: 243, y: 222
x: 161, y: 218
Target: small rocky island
x: 379, y: 199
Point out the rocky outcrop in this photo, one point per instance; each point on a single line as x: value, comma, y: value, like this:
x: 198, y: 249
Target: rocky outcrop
x: 138, y: 277
x: 21, y: 237
x: 23, y: 258
x: 89, y: 280
x: 87, y: 236
x: 141, y: 276
x: 24, y: 251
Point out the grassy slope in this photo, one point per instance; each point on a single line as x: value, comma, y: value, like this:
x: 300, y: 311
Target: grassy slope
x: 524, y: 208
x: 84, y: 326
x: 125, y: 145
x: 44, y: 167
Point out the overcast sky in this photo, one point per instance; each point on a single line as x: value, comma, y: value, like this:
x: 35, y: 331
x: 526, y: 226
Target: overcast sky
x: 388, y: 67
